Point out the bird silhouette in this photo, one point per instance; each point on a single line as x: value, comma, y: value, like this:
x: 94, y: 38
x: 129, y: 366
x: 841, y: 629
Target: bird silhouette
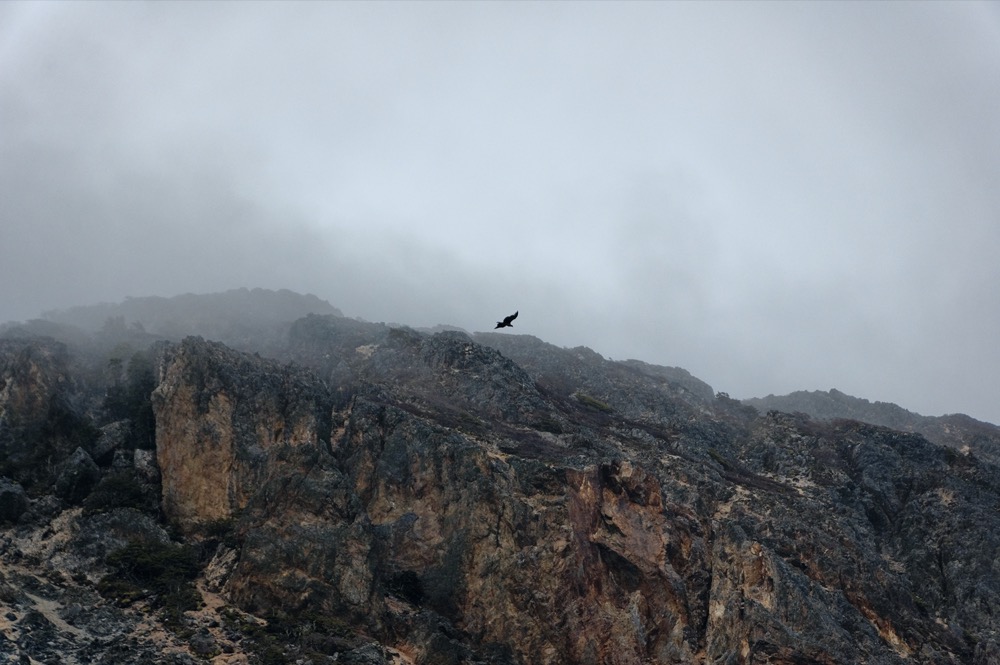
x: 506, y: 323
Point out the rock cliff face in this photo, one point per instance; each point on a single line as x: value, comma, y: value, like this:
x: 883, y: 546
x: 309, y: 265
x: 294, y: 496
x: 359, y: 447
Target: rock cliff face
x: 220, y: 417
x: 39, y: 424
x: 378, y: 495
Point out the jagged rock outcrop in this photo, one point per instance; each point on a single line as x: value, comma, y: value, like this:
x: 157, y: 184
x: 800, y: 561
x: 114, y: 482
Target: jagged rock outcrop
x: 633, y: 388
x: 32, y: 375
x: 373, y: 494
x: 607, y: 541
x: 220, y: 418
x: 77, y: 477
x: 39, y: 426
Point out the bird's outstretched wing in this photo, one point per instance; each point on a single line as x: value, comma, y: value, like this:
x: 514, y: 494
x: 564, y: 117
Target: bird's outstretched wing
x: 506, y: 321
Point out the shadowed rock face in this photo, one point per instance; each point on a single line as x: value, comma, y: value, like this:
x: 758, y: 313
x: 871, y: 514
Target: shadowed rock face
x: 382, y: 495
x: 39, y: 426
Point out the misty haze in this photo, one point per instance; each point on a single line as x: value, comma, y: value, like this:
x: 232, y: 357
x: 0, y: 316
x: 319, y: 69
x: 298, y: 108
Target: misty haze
x: 775, y: 197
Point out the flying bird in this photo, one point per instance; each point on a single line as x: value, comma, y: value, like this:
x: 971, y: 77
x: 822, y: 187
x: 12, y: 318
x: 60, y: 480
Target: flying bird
x: 506, y: 323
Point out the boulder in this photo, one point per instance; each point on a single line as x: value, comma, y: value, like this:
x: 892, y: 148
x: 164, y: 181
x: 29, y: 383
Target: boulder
x: 112, y: 438
x: 78, y: 477
x: 13, y: 501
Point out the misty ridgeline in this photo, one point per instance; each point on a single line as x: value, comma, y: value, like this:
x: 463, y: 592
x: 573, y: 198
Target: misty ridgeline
x: 251, y: 477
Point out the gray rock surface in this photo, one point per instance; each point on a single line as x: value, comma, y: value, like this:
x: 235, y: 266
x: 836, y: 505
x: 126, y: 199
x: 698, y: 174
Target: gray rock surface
x: 77, y: 477
x: 373, y: 494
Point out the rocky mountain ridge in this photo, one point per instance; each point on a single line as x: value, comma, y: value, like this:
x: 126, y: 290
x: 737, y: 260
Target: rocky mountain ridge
x: 365, y: 493
x: 955, y: 430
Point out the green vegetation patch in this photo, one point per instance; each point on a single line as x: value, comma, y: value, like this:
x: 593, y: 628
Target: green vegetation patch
x: 593, y: 403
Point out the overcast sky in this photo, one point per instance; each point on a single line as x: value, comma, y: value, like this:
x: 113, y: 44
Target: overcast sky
x: 775, y: 197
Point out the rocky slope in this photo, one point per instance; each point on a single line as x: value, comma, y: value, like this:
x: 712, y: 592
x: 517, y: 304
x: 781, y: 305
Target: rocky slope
x: 957, y: 430
x: 372, y: 494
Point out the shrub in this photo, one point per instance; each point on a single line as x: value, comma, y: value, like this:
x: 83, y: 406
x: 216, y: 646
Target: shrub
x: 593, y: 403
x: 162, y: 572
x: 117, y: 490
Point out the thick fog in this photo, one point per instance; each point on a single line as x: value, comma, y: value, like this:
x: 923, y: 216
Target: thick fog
x: 773, y: 196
